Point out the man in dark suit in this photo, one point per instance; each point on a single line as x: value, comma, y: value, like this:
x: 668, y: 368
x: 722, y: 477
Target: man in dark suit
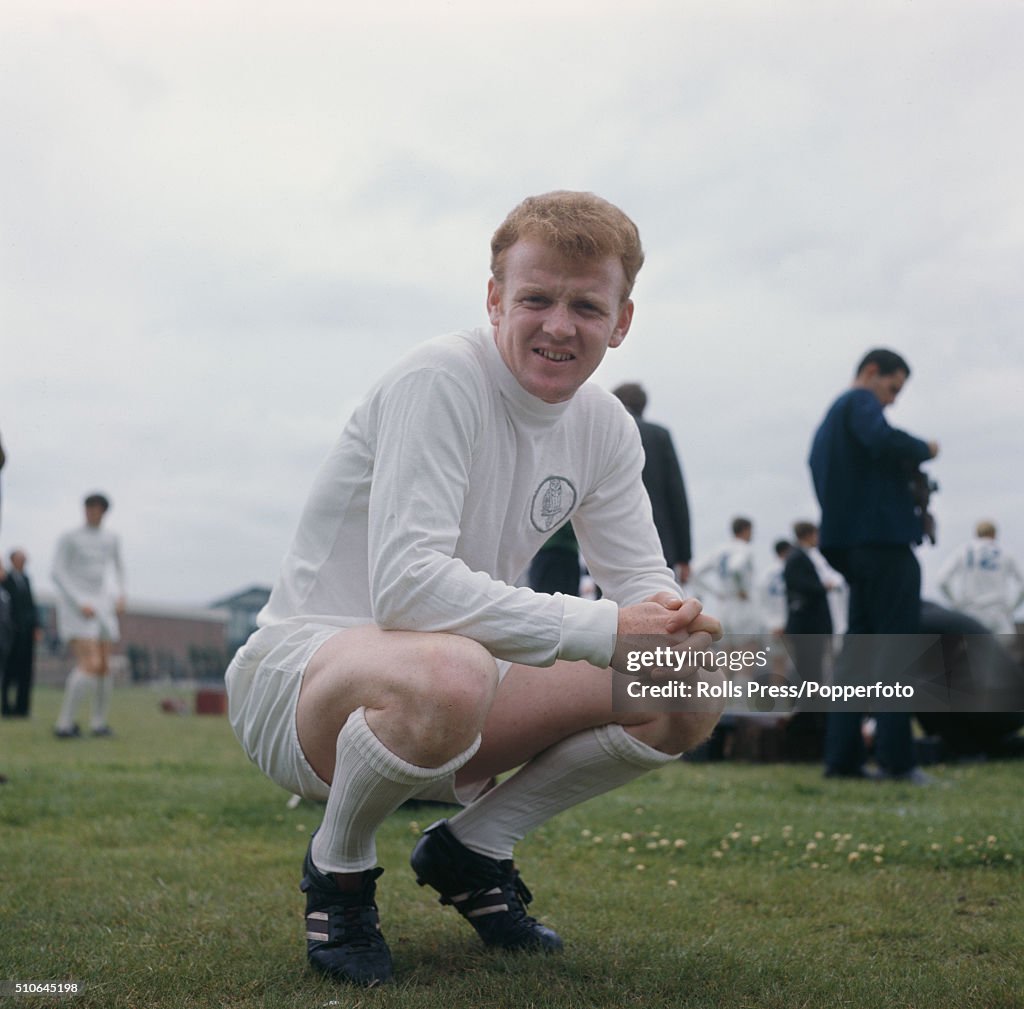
x: 870, y: 523
x: 6, y: 626
x: 808, y: 632
x: 663, y: 478
x: 17, y: 670
x: 807, y: 610
x: 5, y: 601
x: 808, y: 620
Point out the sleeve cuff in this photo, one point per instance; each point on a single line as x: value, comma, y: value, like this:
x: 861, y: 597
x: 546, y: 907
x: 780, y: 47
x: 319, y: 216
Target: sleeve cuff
x: 589, y: 628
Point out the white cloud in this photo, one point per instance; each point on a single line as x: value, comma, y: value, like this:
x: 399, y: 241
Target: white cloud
x: 222, y: 220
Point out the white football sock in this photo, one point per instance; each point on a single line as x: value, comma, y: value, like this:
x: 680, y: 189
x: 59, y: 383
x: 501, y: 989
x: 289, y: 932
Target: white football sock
x: 370, y: 783
x: 80, y: 684
x: 570, y: 772
x: 101, y: 701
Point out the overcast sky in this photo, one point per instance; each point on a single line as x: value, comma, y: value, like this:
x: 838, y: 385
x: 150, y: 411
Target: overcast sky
x: 220, y: 221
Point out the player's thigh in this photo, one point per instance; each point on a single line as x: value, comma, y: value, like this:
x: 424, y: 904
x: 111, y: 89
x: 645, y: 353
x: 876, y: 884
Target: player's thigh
x: 88, y: 655
x: 402, y: 678
x: 537, y: 708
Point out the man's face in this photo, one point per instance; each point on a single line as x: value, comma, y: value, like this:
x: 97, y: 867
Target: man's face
x: 554, y: 318
x: 885, y: 387
x: 94, y: 515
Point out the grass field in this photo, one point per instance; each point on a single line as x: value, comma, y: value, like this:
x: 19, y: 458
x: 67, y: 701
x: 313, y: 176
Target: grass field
x: 159, y: 869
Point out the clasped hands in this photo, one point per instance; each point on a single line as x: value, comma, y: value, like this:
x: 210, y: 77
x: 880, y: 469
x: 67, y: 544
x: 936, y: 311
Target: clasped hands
x: 663, y: 620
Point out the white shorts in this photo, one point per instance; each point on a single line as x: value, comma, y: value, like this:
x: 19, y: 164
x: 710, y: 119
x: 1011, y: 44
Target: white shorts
x: 73, y: 626
x: 263, y: 684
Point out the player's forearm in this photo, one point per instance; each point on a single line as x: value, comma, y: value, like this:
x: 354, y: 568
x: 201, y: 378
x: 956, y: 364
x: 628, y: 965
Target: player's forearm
x: 441, y: 594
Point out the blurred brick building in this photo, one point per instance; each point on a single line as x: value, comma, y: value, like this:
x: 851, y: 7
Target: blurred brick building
x: 161, y: 641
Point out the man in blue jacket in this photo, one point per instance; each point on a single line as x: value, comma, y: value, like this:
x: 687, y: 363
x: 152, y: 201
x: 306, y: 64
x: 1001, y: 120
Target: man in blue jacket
x: 870, y: 523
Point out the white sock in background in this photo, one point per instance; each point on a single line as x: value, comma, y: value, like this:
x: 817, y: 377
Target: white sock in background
x: 101, y: 701
x: 370, y: 783
x: 578, y: 768
x: 80, y: 684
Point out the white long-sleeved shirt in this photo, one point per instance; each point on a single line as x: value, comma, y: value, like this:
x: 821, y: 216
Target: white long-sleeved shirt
x: 87, y: 570
x: 445, y: 482
x: 979, y: 580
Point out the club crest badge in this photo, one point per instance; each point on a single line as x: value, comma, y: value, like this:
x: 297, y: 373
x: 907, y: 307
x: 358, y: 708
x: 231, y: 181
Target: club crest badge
x: 553, y: 500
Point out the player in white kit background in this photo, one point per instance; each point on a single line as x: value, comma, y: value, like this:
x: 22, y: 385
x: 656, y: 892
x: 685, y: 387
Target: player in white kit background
x: 983, y: 581
x: 725, y: 578
x: 89, y: 576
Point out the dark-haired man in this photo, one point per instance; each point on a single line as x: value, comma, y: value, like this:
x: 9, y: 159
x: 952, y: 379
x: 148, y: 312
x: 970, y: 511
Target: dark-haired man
x: 663, y: 478
x: 396, y: 658
x: 870, y: 522
x: 808, y: 617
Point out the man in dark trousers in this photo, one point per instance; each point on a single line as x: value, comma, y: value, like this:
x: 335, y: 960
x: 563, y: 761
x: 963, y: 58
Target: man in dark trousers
x: 4, y: 615
x: 663, y: 478
x: 17, y: 671
x: 869, y: 525
x: 807, y: 610
x: 808, y: 631
x: 6, y: 623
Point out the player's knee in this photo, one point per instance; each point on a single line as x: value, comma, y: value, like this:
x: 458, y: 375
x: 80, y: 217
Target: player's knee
x: 451, y: 696
x: 464, y: 677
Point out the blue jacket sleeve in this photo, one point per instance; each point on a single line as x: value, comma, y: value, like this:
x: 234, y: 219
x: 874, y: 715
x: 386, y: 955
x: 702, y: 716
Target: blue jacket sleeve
x: 867, y: 424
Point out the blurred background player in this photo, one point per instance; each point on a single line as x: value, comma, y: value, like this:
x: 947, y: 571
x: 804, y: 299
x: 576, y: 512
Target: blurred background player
x: 727, y: 576
x: 980, y: 579
x: 88, y: 559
